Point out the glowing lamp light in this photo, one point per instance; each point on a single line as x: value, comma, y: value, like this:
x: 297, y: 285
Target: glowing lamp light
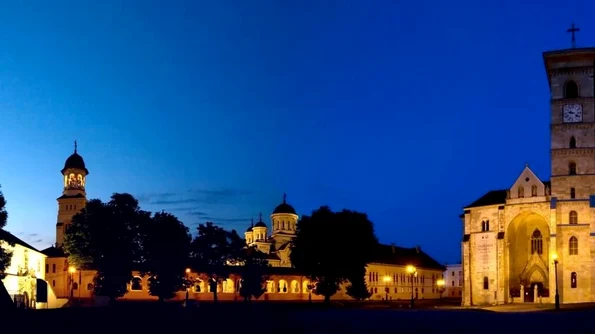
x: 554, y: 256
x: 187, y: 270
x: 440, y: 283
x: 71, y: 269
x: 410, y: 269
x: 386, y: 278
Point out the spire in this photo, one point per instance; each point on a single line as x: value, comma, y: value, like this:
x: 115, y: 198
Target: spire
x: 260, y: 217
x: 75, y: 146
x: 252, y: 222
x: 284, y: 198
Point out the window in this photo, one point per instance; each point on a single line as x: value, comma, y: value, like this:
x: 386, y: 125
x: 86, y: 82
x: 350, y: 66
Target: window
x: 573, y: 246
x: 572, y: 142
x: 75, y: 286
x: 533, y: 191
x: 571, y: 168
x: 536, y: 242
x: 572, y: 193
x: 570, y: 90
x: 572, y: 217
x: 136, y: 284
x: 90, y: 286
x: 486, y: 283
x: 53, y: 268
x: 485, y: 226
x: 521, y: 192
x: 573, y: 280
x: 452, y: 283
x: 53, y: 283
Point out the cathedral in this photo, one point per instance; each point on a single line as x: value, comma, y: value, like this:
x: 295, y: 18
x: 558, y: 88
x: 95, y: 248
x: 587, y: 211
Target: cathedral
x: 532, y: 242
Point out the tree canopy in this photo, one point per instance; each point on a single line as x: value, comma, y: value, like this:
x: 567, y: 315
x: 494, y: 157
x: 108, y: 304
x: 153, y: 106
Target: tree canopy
x: 5, y: 255
x: 334, y: 247
x: 254, y: 271
x: 107, y: 237
x: 166, y: 249
x: 212, y: 251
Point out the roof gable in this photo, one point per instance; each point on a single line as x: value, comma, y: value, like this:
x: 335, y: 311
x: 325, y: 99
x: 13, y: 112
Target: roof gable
x: 12, y: 239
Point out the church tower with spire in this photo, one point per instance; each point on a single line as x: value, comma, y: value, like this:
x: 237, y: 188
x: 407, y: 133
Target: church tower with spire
x: 74, y: 197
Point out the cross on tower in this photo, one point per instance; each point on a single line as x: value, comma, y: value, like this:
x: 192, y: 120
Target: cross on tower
x: 284, y: 197
x: 572, y: 30
x: 260, y: 217
x: 75, y: 146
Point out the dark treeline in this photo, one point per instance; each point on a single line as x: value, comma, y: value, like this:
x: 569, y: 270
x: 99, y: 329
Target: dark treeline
x: 117, y: 237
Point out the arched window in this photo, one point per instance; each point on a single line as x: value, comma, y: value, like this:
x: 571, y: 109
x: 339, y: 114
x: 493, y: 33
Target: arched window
x: 136, y: 284
x: 572, y: 142
x: 486, y: 283
x: 533, y: 191
x: 572, y: 193
x: 536, y: 242
x: 573, y: 280
x: 483, y: 225
x: 75, y: 286
x: 487, y: 225
x: 521, y: 192
x: 573, y: 246
x: 572, y: 217
x: 571, y: 168
x: 570, y: 90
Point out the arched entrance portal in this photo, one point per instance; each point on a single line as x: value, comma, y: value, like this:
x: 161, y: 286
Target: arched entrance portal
x: 528, y: 255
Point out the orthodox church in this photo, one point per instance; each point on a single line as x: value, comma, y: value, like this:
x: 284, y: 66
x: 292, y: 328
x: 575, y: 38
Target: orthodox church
x: 533, y: 242
x: 387, y: 277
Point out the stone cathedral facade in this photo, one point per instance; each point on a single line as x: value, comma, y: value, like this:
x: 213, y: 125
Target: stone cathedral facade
x: 512, y: 236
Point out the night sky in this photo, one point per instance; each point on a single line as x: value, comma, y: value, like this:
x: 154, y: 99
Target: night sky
x: 212, y: 110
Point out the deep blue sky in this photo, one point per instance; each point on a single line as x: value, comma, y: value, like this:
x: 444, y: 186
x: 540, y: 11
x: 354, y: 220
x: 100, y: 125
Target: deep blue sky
x: 211, y: 110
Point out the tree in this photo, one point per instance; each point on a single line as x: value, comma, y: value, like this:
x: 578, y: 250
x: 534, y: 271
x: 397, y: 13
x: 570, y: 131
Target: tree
x: 333, y: 247
x: 357, y: 287
x: 107, y: 237
x: 212, y: 251
x: 254, y: 268
x: 5, y: 255
x: 166, y: 250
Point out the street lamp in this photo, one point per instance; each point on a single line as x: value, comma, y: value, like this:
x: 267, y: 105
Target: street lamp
x: 386, y: 279
x: 557, y: 296
x: 71, y: 270
x: 440, y: 283
x: 412, y: 271
x: 187, y: 286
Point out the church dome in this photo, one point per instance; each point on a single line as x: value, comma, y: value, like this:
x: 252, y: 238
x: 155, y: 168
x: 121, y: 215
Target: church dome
x: 260, y: 224
x: 284, y: 207
x: 249, y: 229
x: 75, y: 161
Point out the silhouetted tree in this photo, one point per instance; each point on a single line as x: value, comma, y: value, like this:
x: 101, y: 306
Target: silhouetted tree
x: 5, y: 255
x: 331, y: 247
x: 212, y: 251
x: 254, y: 268
x: 357, y: 287
x: 166, y: 250
x: 107, y: 237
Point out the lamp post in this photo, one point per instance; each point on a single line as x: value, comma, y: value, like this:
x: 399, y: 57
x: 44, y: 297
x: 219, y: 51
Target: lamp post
x: 71, y: 270
x: 386, y: 279
x: 187, y: 285
x: 412, y: 271
x: 440, y: 283
x: 557, y: 296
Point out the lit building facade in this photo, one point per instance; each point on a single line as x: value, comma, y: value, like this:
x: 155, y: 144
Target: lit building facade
x: 520, y: 243
x: 453, y: 281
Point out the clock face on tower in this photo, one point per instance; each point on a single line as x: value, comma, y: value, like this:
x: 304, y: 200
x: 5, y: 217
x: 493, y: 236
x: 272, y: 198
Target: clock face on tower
x: 573, y: 113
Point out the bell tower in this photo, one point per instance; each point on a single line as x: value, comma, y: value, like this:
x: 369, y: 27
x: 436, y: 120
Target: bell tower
x: 74, y: 197
x: 572, y: 151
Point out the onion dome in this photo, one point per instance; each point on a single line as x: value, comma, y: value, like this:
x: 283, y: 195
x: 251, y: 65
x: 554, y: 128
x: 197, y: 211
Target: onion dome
x: 75, y: 161
x: 251, y: 225
x: 284, y: 207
